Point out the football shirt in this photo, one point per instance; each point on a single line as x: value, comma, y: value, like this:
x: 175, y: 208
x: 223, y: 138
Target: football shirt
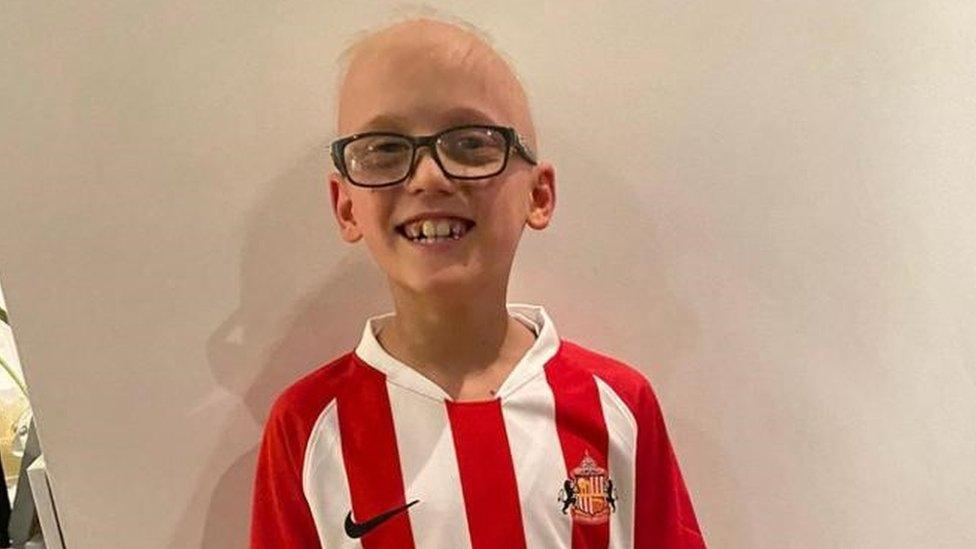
x: 571, y: 453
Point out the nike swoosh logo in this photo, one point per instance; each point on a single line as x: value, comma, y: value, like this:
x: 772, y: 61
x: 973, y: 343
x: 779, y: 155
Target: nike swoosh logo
x: 360, y: 529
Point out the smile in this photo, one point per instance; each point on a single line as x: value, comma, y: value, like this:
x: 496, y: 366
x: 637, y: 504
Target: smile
x: 430, y: 232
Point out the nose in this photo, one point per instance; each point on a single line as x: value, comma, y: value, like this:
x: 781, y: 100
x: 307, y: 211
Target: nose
x: 427, y: 175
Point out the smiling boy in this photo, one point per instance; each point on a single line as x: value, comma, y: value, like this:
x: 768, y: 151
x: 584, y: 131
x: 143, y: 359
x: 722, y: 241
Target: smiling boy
x: 460, y: 420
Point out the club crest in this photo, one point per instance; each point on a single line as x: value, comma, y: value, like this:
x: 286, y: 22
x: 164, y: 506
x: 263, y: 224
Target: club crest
x: 589, y: 493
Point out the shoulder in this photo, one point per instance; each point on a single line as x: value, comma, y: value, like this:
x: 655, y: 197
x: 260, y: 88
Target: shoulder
x: 299, y: 405
x: 630, y: 384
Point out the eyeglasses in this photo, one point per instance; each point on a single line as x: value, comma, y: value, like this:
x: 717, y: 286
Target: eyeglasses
x: 384, y: 159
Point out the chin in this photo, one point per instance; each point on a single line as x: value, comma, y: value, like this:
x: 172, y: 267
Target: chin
x: 441, y: 284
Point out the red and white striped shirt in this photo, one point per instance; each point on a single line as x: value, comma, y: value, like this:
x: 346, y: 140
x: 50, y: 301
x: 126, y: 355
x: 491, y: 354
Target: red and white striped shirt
x: 573, y: 453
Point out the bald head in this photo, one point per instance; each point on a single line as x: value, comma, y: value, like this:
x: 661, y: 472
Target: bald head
x: 427, y: 71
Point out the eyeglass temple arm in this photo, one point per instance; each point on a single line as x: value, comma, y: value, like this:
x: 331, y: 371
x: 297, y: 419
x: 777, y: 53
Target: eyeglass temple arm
x: 523, y: 149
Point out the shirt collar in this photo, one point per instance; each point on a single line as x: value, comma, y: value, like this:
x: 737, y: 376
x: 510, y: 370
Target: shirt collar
x: 532, y: 362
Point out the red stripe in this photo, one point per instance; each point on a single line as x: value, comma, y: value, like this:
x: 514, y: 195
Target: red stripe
x: 491, y: 498
x: 582, y: 430
x: 372, y: 461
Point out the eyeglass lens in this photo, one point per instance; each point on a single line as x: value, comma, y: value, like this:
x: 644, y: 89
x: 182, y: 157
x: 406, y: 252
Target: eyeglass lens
x: 464, y: 152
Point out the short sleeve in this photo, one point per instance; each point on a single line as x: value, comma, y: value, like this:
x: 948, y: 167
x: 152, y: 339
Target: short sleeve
x: 664, y: 514
x: 280, y: 515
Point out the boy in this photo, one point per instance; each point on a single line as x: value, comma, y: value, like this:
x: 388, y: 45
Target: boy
x: 460, y: 420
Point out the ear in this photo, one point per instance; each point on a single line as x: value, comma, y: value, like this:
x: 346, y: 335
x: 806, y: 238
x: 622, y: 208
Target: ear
x: 542, y: 195
x: 342, y: 208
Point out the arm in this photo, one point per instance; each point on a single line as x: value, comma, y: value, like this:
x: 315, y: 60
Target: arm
x: 280, y: 514
x: 664, y: 516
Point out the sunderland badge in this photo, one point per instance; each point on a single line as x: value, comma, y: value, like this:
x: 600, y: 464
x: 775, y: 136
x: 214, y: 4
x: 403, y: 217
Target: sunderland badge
x: 589, y: 492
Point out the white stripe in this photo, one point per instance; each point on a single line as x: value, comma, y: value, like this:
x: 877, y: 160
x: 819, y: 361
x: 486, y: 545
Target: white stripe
x: 530, y: 423
x: 622, y: 433
x: 324, y: 481
x: 532, y: 362
x: 430, y: 470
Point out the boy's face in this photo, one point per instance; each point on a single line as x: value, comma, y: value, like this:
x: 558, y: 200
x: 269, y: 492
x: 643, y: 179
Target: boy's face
x: 419, y: 85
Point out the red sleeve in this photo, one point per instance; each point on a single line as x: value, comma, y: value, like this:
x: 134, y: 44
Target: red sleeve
x: 664, y: 517
x: 280, y: 514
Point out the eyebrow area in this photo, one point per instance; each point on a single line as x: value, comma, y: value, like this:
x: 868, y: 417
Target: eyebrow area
x: 455, y: 116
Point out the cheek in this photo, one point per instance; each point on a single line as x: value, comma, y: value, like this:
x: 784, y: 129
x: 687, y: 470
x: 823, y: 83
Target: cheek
x: 378, y: 239
x: 373, y: 215
x: 506, y: 226
x: 509, y: 201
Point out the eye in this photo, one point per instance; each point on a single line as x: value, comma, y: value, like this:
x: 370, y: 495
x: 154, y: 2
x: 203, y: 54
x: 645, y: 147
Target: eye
x: 389, y: 147
x: 474, y: 146
x: 470, y: 142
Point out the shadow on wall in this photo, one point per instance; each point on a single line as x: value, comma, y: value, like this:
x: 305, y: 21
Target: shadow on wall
x: 246, y: 361
x: 328, y: 321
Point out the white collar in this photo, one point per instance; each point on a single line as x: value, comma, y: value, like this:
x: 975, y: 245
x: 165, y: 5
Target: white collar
x: 535, y: 316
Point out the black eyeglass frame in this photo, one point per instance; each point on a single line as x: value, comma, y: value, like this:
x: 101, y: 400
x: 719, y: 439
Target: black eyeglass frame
x: 512, y: 139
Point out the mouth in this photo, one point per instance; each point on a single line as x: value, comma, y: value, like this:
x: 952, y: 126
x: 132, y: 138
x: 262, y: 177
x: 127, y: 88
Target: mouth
x: 431, y: 232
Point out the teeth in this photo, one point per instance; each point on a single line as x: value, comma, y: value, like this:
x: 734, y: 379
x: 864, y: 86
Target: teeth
x: 443, y: 228
x: 435, y: 229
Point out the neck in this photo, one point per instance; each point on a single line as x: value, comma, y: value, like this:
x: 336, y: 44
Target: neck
x: 454, y: 337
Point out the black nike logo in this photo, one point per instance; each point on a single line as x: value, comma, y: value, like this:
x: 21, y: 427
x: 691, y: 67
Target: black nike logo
x: 360, y: 529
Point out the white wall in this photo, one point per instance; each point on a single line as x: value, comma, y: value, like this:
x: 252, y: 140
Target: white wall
x: 767, y: 206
